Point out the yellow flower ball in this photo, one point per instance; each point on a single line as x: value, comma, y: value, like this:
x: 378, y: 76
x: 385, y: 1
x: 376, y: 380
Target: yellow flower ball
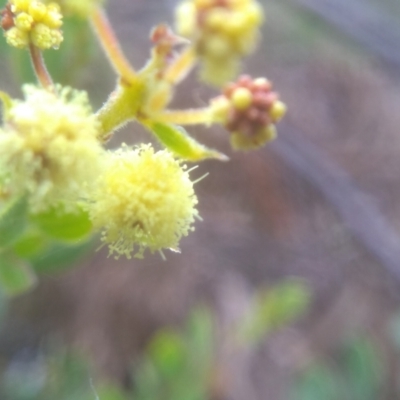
x: 34, y: 22
x: 222, y: 33
x: 144, y: 199
x: 49, y: 148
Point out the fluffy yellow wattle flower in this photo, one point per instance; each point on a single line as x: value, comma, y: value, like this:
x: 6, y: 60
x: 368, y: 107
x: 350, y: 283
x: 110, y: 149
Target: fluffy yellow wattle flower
x: 48, y: 147
x: 31, y: 21
x: 144, y: 199
x: 222, y: 31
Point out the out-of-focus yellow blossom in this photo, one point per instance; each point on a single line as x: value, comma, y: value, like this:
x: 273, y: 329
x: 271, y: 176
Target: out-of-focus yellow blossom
x: 31, y: 21
x: 249, y: 110
x: 80, y: 8
x: 49, y: 149
x: 222, y: 32
x: 144, y: 199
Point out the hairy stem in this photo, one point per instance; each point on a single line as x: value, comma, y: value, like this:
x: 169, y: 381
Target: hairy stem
x: 121, y: 107
x: 181, y: 66
x: 186, y: 117
x: 111, y: 47
x: 39, y: 67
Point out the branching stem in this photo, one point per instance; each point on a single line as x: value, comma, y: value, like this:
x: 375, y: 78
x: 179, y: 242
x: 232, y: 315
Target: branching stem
x: 111, y: 47
x: 186, y: 117
x: 181, y: 66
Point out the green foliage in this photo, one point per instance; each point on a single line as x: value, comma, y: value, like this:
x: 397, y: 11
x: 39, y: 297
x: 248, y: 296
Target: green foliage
x: 62, y: 376
x: 44, y: 243
x: 16, y: 276
x: 12, y: 222
x: 177, y: 365
x: 318, y: 382
x: 58, y: 257
x: 64, y: 226
x: 170, y: 369
x: 357, y: 374
x: 176, y: 139
x: 31, y: 243
x: 274, y: 308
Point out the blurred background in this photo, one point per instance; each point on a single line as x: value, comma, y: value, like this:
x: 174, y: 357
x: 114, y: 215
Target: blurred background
x: 290, y: 287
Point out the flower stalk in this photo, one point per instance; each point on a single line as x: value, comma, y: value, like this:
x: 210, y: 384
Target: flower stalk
x: 186, y: 117
x: 181, y: 66
x: 111, y: 47
x: 40, y: 68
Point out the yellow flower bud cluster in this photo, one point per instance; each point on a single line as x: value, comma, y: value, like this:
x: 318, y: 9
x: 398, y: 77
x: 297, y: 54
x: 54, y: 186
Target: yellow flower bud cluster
x: 49, y: 148
x: 249, y: 109
x: 222, y: 31
x: 144, y: 199
x: 31, y: 21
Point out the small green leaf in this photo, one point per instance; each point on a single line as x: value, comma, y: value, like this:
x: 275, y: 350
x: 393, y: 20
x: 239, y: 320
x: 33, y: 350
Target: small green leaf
x: 177, y: 140
x: 59, y: 257
x: 65, y: 226
x: 363, y: 369
x: 274, y: 308
x: 168, y: 353
x: 284, y: 302
x: 200, y: 339
x: 16, y: 276
x: 394, y: 331
x: 31, y: 243
x: 319, y: 382
x: 110, y: 392
x: 12, y: 221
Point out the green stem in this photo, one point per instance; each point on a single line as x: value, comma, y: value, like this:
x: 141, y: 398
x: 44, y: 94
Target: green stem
x: 110, y: 44
x: 181, y: 66
x: 40, y: 67
x: 122, y: 106
x: 186, y: 117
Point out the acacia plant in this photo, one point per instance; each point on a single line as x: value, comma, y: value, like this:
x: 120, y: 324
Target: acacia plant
x: 59, y: 182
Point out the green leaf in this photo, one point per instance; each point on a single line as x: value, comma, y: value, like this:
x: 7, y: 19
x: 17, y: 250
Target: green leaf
x: 3, y: 304
x: 318, y: 383
x: 110, y: 392
x: 201, y: 339
x: 147, y: 381
x: 274, y: 308
x: 31, y: 243
x: 16, y: 276
x: 59, y: 257
x: 65, y: 226
x: 168, y: 352
x: 177, y: 140
x: 363, y: 370
x: 12, y: 221
x: 394, y: 331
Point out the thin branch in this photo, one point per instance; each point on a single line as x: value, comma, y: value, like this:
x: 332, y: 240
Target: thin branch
x: 185, y: 117
x: 39, y: 67
x: 181, y: 66
x: 111, y: 47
